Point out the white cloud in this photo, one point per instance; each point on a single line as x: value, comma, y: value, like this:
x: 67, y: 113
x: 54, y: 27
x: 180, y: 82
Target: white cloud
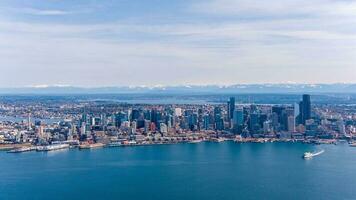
x: 35, y: 11
x: 319, y: 46
x: 275, y: 8
x: 32, y: 11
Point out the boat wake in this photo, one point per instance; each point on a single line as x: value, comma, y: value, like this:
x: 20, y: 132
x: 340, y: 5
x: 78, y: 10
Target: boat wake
x: 308, y: 155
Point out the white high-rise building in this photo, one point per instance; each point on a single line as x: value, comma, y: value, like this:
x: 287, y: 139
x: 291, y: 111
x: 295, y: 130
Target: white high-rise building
x: 40, y: 131
x: 83, y: 128
x: 163, y: 128
x: 134, y: 125
x: 126, y: 124
x: 341, y: 127
x: 29, y: 122
x: 266, y: 127
x: 178, y: 112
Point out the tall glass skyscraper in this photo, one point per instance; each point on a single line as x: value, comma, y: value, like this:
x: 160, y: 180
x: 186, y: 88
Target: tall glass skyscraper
x: 305, y: 109
x: 231, y: 107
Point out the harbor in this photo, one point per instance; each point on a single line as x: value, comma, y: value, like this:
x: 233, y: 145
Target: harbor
x: 185, y: 166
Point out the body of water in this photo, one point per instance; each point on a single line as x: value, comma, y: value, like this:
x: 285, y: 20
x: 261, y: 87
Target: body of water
x: 33, y: 120
x: 207, y: 171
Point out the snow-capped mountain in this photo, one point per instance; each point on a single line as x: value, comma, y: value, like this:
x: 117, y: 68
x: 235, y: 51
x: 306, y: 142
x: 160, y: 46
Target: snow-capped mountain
x: 191, y: 89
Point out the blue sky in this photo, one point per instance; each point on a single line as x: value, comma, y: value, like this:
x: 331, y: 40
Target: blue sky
x: 160, y: 42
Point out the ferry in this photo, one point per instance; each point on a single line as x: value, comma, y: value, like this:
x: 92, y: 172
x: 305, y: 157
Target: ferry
x: 52, y: 147
x: 310, y: 154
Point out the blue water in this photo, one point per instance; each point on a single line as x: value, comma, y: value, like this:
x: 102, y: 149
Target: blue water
x: 33, y: 120
x: 184, y: 171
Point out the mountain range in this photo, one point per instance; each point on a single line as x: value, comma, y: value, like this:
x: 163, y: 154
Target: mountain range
x: 187, y: 89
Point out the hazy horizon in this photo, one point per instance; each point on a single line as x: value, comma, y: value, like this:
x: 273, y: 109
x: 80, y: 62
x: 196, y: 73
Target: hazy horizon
x: 39, y: 86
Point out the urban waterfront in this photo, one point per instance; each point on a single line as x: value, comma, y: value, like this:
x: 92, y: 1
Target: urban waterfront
x: 205, y: 170
x: 177, y: 100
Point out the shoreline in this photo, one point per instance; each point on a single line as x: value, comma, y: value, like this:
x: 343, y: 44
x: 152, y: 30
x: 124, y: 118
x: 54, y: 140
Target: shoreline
x: 6, y: 147
x: 9, y: 147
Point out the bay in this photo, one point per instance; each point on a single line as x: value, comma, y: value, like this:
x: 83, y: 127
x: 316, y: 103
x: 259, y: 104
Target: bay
x: 183, y: 171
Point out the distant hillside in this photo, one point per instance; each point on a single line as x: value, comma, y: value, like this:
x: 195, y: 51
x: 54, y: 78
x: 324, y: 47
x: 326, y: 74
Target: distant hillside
x: 208, y: 89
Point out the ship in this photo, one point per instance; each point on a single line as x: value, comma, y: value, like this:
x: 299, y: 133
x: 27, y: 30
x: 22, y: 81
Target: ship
x: 52, y: 147
x: 311, y: 154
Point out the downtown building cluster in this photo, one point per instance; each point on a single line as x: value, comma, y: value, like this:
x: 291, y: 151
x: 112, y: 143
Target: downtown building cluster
x: 107, y: 123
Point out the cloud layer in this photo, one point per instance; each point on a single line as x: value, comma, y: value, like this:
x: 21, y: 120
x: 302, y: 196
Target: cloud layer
x: 198, y: 42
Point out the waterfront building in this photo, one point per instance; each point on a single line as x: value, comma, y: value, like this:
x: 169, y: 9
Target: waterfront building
x: 40, y: 131
x: 163, y: 128
x: 266, y: 127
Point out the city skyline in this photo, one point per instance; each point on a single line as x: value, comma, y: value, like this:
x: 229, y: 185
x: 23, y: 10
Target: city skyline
x: 221, y: 42
x: 177, y: 99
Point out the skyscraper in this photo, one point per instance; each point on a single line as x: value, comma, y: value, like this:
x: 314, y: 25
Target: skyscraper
x: 254, y: 123
x: 291, y: 124
x: 230, y: 109
x: 238, y: 118
x: 29, y: 122
x: 206, y: 121
x: 238, y: 121
x: 304, y: 109
x: 135, y: 114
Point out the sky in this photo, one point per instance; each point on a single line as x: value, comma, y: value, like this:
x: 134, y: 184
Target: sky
x: 95, y: 43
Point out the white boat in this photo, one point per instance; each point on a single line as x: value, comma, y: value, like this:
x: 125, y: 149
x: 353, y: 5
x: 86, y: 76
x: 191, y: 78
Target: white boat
x: 195, y: 141
x: 311, y: 154
x: 218, y: 139
x: 115, y: 144
x: 91, y: 146
x: 52, y: 147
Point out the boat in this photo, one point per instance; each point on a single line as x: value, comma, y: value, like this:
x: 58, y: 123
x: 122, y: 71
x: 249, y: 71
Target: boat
x: 22, y: 149
x: 217, y: 139
x: 311, y: 154
x: 52, y: 147
x: 195, y: 141
x: 91, y: 146
x: 353, y: 144
x: 115, y: 144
